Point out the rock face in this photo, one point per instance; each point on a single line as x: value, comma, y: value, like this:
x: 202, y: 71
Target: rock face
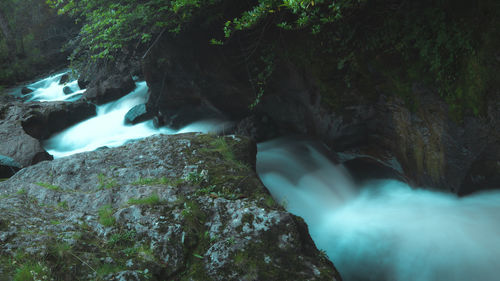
x: 209, y: 83
x: 109, y: 89
x: 184, y: 207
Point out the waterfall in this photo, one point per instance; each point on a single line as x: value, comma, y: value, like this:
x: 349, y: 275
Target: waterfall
x: 384, y: 230
x: 108, y: 129
x: 49, y: 89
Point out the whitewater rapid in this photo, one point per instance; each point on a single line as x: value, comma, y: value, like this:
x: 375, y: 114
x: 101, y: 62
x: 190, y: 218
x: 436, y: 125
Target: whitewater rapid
x: 383, y: 230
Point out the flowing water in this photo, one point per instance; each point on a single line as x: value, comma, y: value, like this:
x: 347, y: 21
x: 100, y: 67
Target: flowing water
x: 384, y: 230
x: 381, y: 231
x: 49, y: 89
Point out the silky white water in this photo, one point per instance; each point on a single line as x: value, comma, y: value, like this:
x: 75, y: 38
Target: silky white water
x: 385, y: 230
x: 49, y: 89
x: 109, y: 129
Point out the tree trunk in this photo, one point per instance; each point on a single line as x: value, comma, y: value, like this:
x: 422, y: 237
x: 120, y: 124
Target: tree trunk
x: 7, y: 34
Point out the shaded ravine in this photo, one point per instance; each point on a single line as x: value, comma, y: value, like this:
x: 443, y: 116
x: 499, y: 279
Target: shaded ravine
x: 383, y: 230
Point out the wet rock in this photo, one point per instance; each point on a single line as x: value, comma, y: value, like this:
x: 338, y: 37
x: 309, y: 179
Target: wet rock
x: 82, y: 83
x: 64, y: 79
x: 8, y: 167
x: 363, y: 168
x: 26, y: 91
x: 14, y: 141
x: 137, y: 114
x: 112, y: 88
x: 41, y: 120
x: 163, y: 208
x: 67, y: 90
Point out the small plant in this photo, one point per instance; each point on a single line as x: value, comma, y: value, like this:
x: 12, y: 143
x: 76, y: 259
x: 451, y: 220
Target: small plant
x: 197, y: 178
x: 105, y: 182
x: 106, y: 216
x: 32, y: 271
x: 21, y: 191
x: 122, y: 238
x: 55, y: 222
x: 49, y: 186
x: 63, y: 205
x: 151, y: 181
x: 151, y: 200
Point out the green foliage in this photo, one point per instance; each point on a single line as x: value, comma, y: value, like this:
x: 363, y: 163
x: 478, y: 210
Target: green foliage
x: 439, y: 42
x: 32, y: 271
x: 106, y: 216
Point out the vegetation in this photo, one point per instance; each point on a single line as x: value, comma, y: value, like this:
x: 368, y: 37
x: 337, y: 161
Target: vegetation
x: 106, y: 182
x: 106, y: 216
x: 49, y: 186
x: 31, y: 37
x: 443, y: 44
x: 151, y: 200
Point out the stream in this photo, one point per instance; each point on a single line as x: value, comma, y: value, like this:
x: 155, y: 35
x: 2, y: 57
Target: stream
x: 383, y: 230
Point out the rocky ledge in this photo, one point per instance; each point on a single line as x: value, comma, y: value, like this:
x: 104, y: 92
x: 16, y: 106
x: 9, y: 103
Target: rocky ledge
x: 184, y: 207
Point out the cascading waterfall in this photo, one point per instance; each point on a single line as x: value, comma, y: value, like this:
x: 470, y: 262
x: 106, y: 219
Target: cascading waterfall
x: 381, y: 231
x: 108, y: 127
x: 49, y: 89
x: 385, y: 230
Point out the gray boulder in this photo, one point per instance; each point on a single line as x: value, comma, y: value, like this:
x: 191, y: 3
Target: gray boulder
x: 138, y: 114
x: 184, y: 207
x: 112, y: 88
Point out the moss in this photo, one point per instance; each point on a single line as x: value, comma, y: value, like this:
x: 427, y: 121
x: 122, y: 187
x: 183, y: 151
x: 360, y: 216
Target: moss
x: 49, y: 186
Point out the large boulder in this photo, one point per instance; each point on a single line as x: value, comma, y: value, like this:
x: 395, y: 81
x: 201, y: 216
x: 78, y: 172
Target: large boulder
x: 14, y: 141
x: 183, y: 207
x: 109, y: 89
x: 41, y: 120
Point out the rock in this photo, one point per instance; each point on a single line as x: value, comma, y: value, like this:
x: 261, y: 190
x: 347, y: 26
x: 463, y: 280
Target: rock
x: 112, y: 88
x: 26, y: 91
x: 41, y: 120
x: 484, y: 172
x: 138, y: 114
x: 82, y: 83
x: 8, y: 167
x: 64, y: 79
x: 180, y: 207
x: 18, y: 145
x: 363, y: 168
x: 210, y: 81
x: 67, y: 90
